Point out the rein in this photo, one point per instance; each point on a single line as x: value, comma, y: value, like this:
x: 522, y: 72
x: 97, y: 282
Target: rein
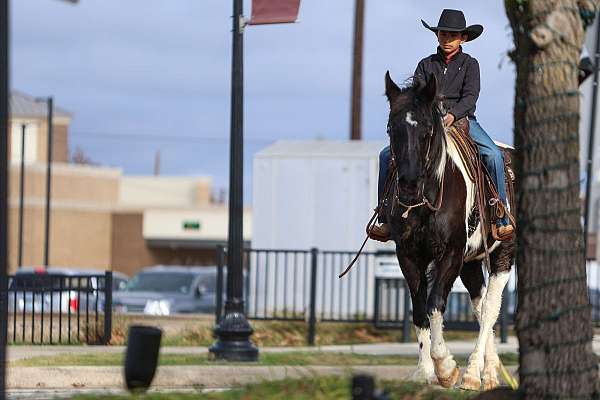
x: 393, y: 176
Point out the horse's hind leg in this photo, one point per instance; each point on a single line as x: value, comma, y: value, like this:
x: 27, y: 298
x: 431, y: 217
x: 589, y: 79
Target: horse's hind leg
x: 501, y: 261
x: 472, y: 277
x: 488, y: 308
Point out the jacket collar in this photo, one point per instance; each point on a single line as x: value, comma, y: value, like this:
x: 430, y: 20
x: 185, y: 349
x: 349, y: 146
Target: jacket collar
x: 442, y: 56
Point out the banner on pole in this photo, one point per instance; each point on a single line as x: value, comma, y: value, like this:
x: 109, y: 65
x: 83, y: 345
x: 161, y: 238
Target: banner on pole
x: 274, y: 11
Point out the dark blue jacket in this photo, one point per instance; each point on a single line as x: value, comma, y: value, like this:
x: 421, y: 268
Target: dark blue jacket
x: 458, y: 81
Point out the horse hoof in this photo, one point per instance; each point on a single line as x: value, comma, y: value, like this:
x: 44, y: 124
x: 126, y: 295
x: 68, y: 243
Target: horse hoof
x: 470, y: 382
x: 490, y: 380
x: 450, y: 380
x: 423, y: 376
x: 489, y: 384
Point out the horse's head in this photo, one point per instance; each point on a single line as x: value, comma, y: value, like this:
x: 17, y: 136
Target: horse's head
x: 414, y: 127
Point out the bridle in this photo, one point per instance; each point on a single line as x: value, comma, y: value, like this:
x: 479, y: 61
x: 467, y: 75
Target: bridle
x: 425, y: 201
x: 393, y: 176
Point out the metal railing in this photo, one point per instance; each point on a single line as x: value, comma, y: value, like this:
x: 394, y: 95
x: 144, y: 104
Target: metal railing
x: 60, y: 308
x: 303, y: 285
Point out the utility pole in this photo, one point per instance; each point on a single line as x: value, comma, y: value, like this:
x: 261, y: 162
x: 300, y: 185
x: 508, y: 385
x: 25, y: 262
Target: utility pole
x: 357, y: 58
x: 4, y: 93
x: 233, y: 331
x: 21, y: 196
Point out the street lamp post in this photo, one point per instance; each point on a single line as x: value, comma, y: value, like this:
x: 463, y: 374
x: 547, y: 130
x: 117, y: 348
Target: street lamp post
x: 21, y: 195
x: 50, y: 121
x: 4, y: 93
x: 233, y: 331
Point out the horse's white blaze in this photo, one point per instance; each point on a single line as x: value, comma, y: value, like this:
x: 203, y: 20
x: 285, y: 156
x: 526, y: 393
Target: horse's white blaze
x: 409, y: 119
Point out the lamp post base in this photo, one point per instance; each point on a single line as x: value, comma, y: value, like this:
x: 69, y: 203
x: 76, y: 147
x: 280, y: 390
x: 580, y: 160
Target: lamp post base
x: 233, y: 339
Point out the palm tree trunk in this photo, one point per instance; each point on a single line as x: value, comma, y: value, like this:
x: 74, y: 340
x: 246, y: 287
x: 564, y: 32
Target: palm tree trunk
x: 554, y: 320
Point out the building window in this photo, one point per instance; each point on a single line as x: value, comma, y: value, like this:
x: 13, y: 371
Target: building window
x: 31, y: 135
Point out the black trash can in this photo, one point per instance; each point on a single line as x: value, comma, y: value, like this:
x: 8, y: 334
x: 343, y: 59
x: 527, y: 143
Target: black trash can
x: 141, y: 357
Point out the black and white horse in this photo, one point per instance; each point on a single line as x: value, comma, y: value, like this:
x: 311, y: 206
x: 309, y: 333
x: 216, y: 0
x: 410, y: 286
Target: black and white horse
x: 429, y: 210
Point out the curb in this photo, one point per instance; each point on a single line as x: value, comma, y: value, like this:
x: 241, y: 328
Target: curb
x: 170, y: 377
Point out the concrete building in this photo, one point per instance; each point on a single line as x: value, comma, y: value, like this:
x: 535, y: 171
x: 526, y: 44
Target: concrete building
x: 99, y: 218
x: 168, y: 220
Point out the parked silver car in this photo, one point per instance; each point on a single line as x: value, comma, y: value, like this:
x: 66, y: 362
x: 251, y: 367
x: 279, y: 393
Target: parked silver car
x: 167, y: 290
x: 58, y: 289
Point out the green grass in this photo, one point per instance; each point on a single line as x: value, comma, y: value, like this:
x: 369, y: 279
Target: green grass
x: 266, y: 359
x: 197, y: 332
x: 305, y: 389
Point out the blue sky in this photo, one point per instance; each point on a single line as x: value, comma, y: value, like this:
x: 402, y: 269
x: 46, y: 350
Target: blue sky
x: 143, y: 76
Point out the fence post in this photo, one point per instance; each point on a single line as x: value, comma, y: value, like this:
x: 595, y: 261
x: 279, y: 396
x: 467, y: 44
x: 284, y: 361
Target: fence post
x: 219, y: 294
x: 376, y: 303
x: 314, y: 254
x: 108, y: 286
x: 503, y: 318
x: 407, y: 320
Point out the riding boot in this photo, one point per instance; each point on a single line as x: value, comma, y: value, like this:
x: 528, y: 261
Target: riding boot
x: 380, y: 232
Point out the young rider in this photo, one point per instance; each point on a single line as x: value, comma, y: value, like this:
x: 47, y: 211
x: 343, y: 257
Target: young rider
x: 457, y: 74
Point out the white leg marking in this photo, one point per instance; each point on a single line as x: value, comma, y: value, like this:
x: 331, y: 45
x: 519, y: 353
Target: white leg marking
x: 425, y: 371
x: 489, y: 313
x: 444, y: 364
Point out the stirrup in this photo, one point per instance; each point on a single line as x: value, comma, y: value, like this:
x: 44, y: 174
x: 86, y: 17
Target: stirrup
x: 504, y: 236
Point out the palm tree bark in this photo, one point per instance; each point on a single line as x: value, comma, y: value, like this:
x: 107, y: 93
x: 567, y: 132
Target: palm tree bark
x: 554, y: 320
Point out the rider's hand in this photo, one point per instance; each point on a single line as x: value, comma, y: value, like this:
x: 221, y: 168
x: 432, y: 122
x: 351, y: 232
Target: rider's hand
x: 448, y: 119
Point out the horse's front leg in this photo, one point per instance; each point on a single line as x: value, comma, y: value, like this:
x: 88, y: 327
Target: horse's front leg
x: 414, y: 274
x: 490, y: 308
x: 445, y: 273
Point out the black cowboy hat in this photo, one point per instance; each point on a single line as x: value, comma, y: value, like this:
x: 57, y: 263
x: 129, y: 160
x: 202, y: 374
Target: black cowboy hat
x: 454, y: 21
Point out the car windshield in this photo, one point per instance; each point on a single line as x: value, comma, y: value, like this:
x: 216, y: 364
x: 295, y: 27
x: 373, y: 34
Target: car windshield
x: 161, y: 282
x: 37, y: 281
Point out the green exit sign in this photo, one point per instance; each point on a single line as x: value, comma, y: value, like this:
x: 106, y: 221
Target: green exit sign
x: 191, y: 225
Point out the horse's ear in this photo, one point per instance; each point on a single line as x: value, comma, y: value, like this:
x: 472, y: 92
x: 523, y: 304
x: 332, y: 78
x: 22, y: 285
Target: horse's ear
x: 391, y: 89
x: 428, y: 92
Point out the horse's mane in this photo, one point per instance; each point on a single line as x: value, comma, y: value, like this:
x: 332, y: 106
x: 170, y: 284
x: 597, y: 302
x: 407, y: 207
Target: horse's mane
x: 408, y: 95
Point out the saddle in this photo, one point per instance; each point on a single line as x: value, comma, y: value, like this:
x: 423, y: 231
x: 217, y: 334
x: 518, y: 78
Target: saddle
x: 477, y: 173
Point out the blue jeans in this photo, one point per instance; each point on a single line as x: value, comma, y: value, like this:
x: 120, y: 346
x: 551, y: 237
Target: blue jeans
x: 490, y: 153
x: 493, y: 159
x: 384, y: 170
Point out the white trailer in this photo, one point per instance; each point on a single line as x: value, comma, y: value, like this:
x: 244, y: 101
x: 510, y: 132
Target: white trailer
x: 316, y: 193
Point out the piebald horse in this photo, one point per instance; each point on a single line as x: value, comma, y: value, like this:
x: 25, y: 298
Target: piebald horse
x: 429, y: 208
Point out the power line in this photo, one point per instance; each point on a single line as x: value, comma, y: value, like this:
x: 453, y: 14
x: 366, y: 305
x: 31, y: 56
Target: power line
x: 161, y: 137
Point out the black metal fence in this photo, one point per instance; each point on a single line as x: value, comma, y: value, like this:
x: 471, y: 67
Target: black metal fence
x: 303, y: 285
x: 50, y: 308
